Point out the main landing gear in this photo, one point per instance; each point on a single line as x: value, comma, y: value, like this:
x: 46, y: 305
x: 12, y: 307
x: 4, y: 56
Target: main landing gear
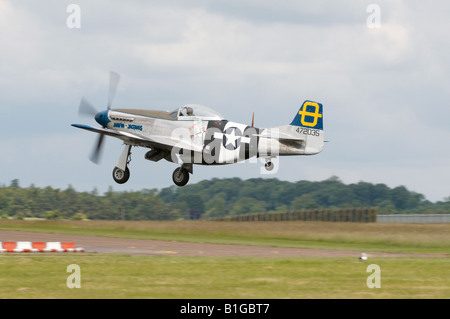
x: 180, y: 175
x: 121, y: 176
x: 121, y: 173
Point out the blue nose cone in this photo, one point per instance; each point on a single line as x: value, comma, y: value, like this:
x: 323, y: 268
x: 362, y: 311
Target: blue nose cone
x: 102, y: 118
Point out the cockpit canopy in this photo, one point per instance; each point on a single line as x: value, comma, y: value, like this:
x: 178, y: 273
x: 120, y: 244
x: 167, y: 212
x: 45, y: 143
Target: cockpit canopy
x: 195, y: 110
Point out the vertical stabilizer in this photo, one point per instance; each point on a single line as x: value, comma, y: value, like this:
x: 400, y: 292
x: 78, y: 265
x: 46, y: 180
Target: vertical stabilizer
x: 309, y: 122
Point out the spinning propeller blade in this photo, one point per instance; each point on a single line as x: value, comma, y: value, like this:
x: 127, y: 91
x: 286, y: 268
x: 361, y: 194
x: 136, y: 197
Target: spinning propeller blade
x: 96, y: 152
x: 114, y: 79
x: 87, y: 109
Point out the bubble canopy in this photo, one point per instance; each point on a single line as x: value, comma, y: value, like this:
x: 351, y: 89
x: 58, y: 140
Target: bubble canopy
x: 195, y: 110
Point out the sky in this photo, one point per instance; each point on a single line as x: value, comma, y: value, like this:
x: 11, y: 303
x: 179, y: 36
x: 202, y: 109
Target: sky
x: 380, y: 69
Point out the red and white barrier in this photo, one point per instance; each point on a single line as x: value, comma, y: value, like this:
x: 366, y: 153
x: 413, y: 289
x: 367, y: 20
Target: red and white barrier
x: 43, y: 247
x: 24, y: 246
x: 53, y: 247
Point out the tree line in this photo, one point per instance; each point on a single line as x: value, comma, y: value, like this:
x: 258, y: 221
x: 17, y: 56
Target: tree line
x: 210, y: 198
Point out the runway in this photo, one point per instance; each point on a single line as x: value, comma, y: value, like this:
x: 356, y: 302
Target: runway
x: 107, y: 245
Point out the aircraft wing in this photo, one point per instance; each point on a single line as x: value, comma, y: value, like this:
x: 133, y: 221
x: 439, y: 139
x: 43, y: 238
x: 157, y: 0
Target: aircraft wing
x: 155, y: 141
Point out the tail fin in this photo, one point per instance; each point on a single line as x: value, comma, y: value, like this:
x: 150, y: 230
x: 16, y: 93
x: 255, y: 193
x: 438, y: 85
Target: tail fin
x: 310, y: 115
x: 309, y: 123
x: 304, y: 136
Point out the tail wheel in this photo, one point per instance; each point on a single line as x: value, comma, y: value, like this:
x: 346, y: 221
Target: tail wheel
x: 180, y: 176
x: 269, y: 166
x: 121, y: 176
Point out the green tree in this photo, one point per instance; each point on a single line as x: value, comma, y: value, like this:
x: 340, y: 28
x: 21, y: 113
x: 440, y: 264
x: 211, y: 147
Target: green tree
x: 79, y: 216
x: 52, y: 214
x: 216, y: 206
x: 386, y: 208
x: 246, y: 205
x: 306, y: 201
x: 400, y: 197
x: 14, y: 183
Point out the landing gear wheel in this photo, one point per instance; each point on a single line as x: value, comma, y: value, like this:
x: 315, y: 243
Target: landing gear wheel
x: 180, y: 176
x: 120, y: 176
x: 269, y: 166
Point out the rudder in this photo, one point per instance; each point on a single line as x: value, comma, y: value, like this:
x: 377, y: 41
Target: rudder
x: 310, y: 115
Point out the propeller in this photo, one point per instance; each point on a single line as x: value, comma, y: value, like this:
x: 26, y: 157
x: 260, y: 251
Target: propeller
x: 253, y: 119
x: 87, y: 109
x: 114, y: 79
x: 96, y: 151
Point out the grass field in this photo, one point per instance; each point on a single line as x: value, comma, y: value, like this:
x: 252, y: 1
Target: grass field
x: 121, y: 276
x: 383, y: 237
x: 126, y: 276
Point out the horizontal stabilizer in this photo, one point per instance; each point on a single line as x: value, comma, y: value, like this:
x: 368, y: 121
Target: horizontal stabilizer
x: 281, y: 136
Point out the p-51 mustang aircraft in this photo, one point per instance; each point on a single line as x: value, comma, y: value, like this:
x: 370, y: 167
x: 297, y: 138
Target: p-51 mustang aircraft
x: 194, y: 134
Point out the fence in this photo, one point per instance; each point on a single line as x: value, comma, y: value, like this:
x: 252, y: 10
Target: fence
x: 358, y: 215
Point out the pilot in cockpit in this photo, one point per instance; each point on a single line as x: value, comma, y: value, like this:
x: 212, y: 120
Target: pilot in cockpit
x: 187, y: 111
